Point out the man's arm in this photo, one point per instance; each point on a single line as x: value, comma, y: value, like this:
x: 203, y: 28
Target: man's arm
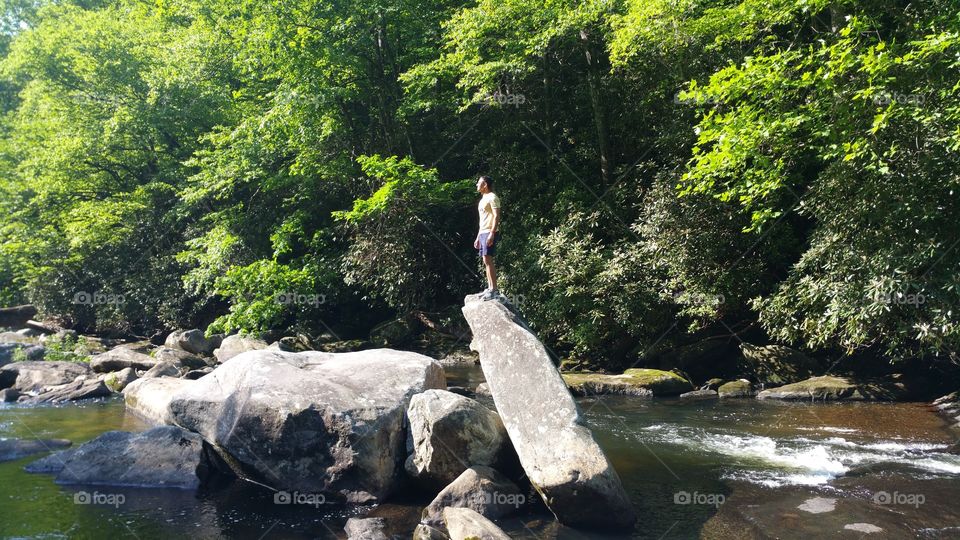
x: 493, y: 229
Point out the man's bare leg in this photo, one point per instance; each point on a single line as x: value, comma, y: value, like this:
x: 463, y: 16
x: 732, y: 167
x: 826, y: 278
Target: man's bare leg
x: 491, y: 272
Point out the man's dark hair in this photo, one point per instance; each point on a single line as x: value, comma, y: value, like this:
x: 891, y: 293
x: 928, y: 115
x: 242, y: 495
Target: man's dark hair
x: 488, y: 181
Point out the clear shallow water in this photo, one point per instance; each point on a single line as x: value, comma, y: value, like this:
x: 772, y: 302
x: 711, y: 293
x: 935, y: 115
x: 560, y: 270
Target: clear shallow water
x: 709, y: 469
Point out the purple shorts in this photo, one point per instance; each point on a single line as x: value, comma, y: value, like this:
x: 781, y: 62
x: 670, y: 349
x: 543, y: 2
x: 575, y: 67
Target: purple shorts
x: 484, y: 250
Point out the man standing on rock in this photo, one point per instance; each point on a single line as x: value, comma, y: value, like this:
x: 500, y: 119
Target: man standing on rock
x: 486, y: 241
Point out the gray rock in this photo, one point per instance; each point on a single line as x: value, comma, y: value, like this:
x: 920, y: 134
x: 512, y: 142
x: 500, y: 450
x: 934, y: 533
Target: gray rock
x: 366, y: 529
x: 736, y: 389
x: 236, y: 344
x: 164, y: 456
x: 481, y: 489
x: 830, y: 388
x: 118, y: 380
x: 464, y: 523
x: 51, y: 464
x: 121, y: 358
x: 179, y: 358
x: 14, y: 338
x: 150, y: 398
x: 311, y: 421
x: 699, y: 394
x: 426, y: 532
x: 483, y: 389
x: 162, y: 369
x: 34, y: 375
x: 448, y: 433
x: 73, y: 391
x: 557, y: 450
x: 193, y: 341
x: 12, y: 449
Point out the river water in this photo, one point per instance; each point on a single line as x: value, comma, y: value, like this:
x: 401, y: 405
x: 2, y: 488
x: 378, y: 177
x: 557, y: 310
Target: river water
x: 705, y: 469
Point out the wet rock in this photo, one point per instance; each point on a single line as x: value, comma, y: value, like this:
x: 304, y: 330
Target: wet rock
x: 150, y: 398
x: 311, y: 421
x: 736, y: 389
x: 120, y: 358
x: 449, y: 433
x: 193, y: 341
x: 118, y: 380
x: 366, y: 529
x: 633, y: 382
x: 479, y: 488
x: 464, y: 523
x: 818, y: 505
x: 233, y: 345
x: 51, y: 464
x: 13, y: 449
x: 865, y: 528
x: 557, y: 450
x: 34, y: 375
x: 164, y: 456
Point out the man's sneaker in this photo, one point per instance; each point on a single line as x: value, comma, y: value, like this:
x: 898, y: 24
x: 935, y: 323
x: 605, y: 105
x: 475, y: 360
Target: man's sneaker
x: 489, y: 294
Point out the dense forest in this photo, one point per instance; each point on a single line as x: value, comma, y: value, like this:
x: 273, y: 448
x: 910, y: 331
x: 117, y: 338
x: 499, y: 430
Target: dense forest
x: 669, y: 169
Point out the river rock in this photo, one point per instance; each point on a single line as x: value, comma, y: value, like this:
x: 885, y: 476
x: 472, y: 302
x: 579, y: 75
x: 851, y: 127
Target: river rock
x: 775, y: 365
x: 193, y: 341
x: 73, y: 391
x: 12, y: 449
x: 555, y: 447
x: 366, y: 529
x: 736, y: 389
x: 480, y: 488
x: 118, y: 380
x: 699, y: 394
x: 9, y: 395
x: 311, y: 421
x: 233, y: 345
x: 51, y: 464
x: 464, y: 523
x: 179, y: 358
x: 165, y: 456
x: 830, y: 388
x: 632, y: 382
x: 121, y: 358
x: 162, y: 369
x: 483, y: 389
x: 150, y: 398
x: 448, y: 433
x: 426, y: 532
x: 34, y: 375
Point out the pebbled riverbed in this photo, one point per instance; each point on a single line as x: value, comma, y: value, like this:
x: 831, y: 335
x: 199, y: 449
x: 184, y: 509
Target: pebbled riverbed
x: 708, y: 469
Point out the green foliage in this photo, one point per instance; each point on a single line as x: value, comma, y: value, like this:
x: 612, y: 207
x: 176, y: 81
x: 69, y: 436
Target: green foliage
x: 66, y: 348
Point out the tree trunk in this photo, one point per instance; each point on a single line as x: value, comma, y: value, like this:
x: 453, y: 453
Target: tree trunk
x: 596, y: 103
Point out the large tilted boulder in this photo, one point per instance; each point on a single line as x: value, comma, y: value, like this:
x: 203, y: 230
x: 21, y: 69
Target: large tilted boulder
x: 233, y: 345
x: 481, y: 489
x: 448, y: 433
x: 121, y: 358
x: 464, y: 523
x: 165, y: 456
x: 311, y: 421
x: 150, y: 398
x: 557, y: 450
x: 193, y: 341
x: 32, y: 376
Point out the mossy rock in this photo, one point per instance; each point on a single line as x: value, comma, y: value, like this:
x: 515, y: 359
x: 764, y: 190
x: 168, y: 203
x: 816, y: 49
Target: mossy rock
x: 736, y: 389
x: 830, y: 388
x: 632, y: 382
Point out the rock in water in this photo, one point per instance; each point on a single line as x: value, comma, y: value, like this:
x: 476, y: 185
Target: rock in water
x: 31, y: 376
x: 311, y: 421
x: 557, y: 450
x: 11, y: 449
x: 366, y: 529
x: 464, y: 523
x: 164, y: 456
x: 479, y: 488
x: 450, y: 432
x: 150, y: 398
